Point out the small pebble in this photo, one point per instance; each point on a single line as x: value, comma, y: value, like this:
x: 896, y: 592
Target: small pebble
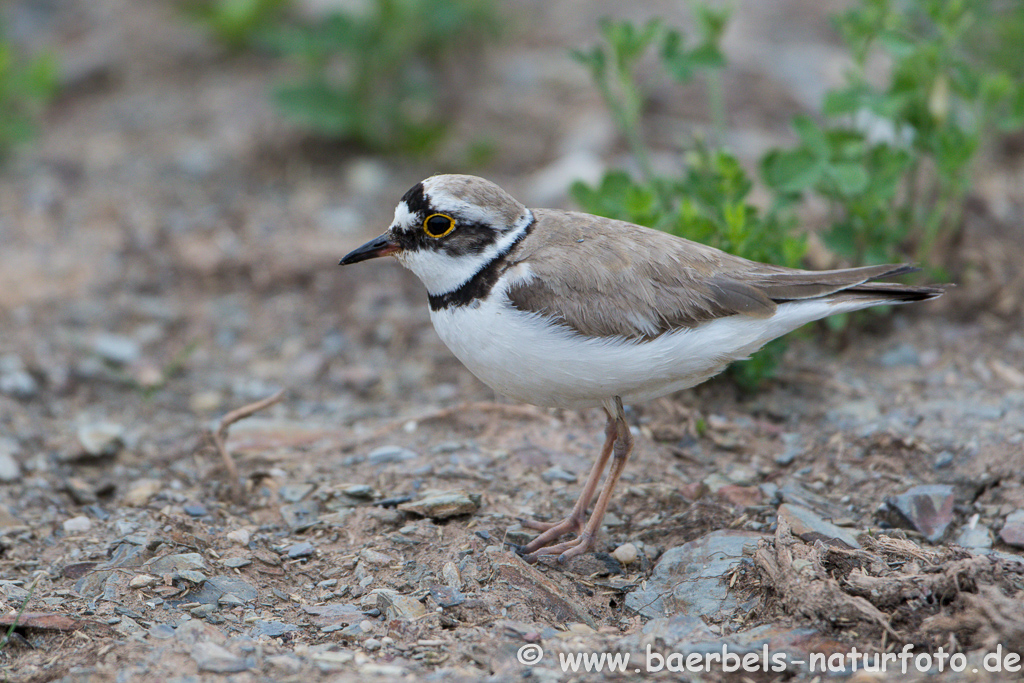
x: 77, y: 524
x: 626, y: 553
x: 101, y: 438
x: 194, y: 509
x: 239, y: 536
x: 143, y: 580
x: 300, y: 549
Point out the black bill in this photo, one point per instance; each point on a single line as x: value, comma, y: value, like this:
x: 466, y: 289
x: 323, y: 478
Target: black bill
x: 380, y: 246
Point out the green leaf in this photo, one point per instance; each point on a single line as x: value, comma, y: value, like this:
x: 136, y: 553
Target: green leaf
x: 791, y: 171
x: 849, y: 178
x: 811, y: 134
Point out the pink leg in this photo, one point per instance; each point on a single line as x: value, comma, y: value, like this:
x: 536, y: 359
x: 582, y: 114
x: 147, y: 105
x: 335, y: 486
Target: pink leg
x: 623, y: 446
x: 574, y: 522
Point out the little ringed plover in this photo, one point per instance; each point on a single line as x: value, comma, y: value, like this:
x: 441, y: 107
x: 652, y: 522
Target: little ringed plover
x: 564, y: 309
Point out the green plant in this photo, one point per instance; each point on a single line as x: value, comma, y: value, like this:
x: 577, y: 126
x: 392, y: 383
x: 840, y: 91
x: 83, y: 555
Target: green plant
x: 238, y: 24
x: 708, y: 200
x: 373, y: 78
x: 26, y: 86
x: 894, y: 162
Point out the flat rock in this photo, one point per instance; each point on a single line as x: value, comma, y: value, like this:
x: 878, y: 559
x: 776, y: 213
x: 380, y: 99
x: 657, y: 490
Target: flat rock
x: 1012, y: 532
x: 142, y: 491
x: 976, y: 537
x: 543, y: 595
x: 446, y: 596
x: 390, y: 454
x: 688, y: 578
x: 116, y: 348
x: 927, y: 509
x: 334, y: 614
x: 101, y: 438
x: 301, y: 515
x: 77, y: 525
x: 272, y: 629
x: 300, y: 549
x: 10, y: 469
x: 174, y: 564
x: 398, y: 606
x: 809, y: 527
x: 216, y: 587
x: 443, y: 505
x: 216, y: 659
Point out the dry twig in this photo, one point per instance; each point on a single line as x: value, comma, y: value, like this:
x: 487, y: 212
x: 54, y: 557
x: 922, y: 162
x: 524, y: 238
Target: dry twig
x: 220, y: 436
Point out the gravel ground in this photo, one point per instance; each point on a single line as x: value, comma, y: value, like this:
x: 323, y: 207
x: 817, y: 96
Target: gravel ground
x: 169, y: 256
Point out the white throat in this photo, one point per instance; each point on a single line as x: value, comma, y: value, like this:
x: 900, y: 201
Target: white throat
x: 441, y: 272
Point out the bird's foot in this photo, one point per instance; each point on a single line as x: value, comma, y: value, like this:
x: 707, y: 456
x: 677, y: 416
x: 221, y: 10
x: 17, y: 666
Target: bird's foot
x: 537, y: 525
x: 572, y: 524
x: 543, y: 544
x: 565, y: 551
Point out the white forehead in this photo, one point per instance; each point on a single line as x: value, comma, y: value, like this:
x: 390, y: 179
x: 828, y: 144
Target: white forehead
x: 403, y: 217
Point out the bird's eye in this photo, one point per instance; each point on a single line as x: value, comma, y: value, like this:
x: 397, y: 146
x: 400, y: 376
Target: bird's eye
x: 438, y: 225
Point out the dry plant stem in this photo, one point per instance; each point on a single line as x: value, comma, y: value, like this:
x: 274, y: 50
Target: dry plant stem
x: 220, y: 436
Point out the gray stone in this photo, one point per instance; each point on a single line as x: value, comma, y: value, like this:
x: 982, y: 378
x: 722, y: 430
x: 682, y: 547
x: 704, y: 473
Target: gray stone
x: 808, y: 526
x: 192, y: 576
x: 904, y: 354
x: 174, y: 564
x: 360, y: 491
x: 1012, y: 532
x: 443, y: 505
x: 300, y: 549
x: 793, y: 447
x: 553, y: 474
x: 10, y: 469
x: 216, y: 587
x: 161, y: 631
x: 216, y: 659
x: 943, y: 460
x: 272, y: 629
x: 854, y: 414
x: 101, y: 438
x: 927, y: 509
x: 688, y: 578
x: 77, y: 525
x: 446, y: 596
x: 194, y: 509
x: 117, y: 348
x: 975, y: 536
x: 679, y: 628
x: 390, y: 454
x: 301, y: 515
x: 236, y: 562
x: 18, y: 384
x: 293, y: 493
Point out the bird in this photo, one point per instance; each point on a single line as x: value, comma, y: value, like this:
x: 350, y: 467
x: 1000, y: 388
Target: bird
x: 564, y: 309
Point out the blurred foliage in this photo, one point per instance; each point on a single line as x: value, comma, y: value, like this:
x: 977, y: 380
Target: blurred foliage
x: 707, y: 201
x: 894, y: 161
x: 26, y: 86
x: 237, y: 24
x: 373, y: 78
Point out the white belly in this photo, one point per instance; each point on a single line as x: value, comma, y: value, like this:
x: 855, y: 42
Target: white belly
x: 526, y: 357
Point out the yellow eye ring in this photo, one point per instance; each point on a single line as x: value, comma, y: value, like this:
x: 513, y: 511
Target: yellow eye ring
x: 438, y: 225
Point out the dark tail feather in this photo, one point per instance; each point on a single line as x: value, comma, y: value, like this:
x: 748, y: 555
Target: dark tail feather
x: 848, y: 284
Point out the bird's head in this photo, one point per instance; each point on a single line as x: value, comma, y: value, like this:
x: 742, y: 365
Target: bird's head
x: 447, y: 228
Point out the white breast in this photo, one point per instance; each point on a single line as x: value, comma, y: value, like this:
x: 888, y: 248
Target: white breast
x: 529, y: 358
